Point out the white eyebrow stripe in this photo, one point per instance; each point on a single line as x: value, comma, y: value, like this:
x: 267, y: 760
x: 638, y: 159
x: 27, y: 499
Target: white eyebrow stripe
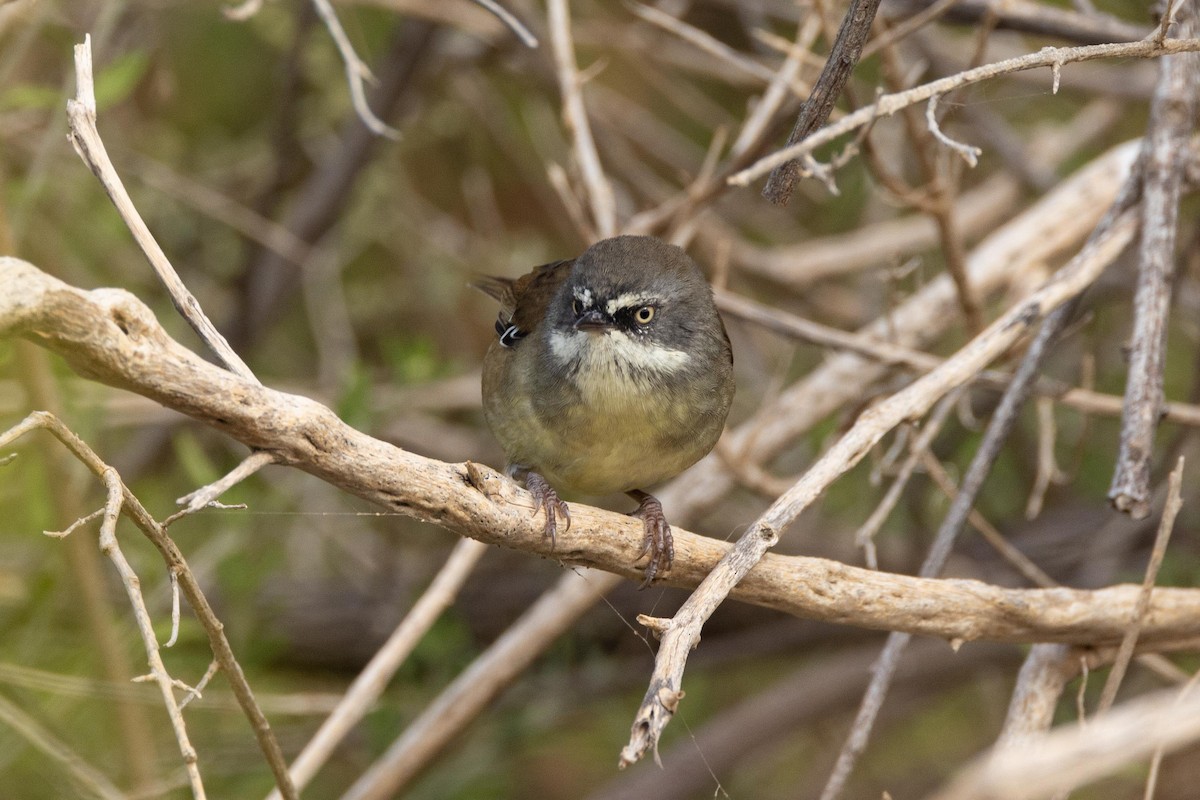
x: 584, y: 296
x: 629, y: 300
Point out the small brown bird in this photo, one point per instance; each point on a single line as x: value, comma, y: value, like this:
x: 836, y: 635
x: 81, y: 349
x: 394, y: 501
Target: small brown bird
x: 612, y: 372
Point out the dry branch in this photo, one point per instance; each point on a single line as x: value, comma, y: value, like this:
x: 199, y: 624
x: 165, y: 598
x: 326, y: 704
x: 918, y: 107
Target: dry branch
x: 1070, y: 756
x: 1053, y: 57
x: 84, y: 135
x: 843, y: 56
x: 1005, y: 259
x: 683, y: 631
x: 370, y: 683
x: 122, y: 500
x: 110, y: 336
x: 1172, y: 119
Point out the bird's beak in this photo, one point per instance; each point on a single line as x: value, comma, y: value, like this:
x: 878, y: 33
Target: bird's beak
x: 592, y: 320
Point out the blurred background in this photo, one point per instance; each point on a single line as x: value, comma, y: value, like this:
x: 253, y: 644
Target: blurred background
x: 337, y: 263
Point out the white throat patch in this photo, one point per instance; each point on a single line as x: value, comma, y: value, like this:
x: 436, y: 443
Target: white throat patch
x: 613, y: 366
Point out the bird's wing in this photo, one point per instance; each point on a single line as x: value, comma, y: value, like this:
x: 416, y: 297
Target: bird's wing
x: 533, y: 293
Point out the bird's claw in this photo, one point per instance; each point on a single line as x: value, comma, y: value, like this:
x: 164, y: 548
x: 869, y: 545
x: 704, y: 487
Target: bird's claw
x: 657, y: 541
x: 546, y: 499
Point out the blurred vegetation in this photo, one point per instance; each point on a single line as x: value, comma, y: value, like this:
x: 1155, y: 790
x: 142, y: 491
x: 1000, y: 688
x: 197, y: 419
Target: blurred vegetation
x: 212, y: 122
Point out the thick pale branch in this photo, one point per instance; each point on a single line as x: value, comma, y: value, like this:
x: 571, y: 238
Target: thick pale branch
x: 109, y: 335
x: 1072, y: 755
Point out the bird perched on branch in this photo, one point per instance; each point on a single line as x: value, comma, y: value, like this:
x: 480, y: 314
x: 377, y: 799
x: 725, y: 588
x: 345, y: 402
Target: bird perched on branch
x: 612, y: 372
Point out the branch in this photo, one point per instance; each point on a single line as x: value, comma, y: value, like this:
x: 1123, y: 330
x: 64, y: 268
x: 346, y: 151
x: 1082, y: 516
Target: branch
x: 123, y: 500
x: 599, y: 190
x: 81, y: 115
x: 891, y: 103
x: 1172, y: 117
x: 110, y: 336
x: 683, y: 631
x: 1042, y: 766
x: 843, y: 56
x: 356, y: 72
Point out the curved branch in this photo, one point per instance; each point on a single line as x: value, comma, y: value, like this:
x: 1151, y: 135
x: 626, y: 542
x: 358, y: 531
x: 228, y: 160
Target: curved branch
x: 110, y: 336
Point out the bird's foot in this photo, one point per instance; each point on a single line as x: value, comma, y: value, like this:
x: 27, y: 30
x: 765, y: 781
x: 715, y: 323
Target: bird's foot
x: 657, y: 542
x: 545, y: 498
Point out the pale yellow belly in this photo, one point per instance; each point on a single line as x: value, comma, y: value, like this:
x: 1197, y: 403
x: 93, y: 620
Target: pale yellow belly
x: 616, y: 438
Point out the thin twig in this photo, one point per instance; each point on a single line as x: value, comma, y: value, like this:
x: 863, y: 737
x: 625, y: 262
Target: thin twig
x: 463, y: 700
x: 843, y: 56
x: 864, y: 537
x: 1125, y: 651
x: 756, y: 125
x: 1048, y: 471
x: 131, y: 582
x: 357, y: 72
x: 710, y: 45
x: 370, y: 683
x: 891, y: 103
x: 599, y: 190
x: 136, y: 512
x: 204, y: 496
x: 510, y: 21
x: 84, y: 135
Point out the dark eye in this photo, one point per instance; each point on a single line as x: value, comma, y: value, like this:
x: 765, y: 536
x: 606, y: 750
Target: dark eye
x: 575, y: 307
x: 643, y: 315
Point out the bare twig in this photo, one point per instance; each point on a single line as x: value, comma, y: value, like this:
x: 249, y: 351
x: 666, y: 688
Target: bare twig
x: 357, y: 72
x: 132, y: 584
x: 790, y: 325
x: 758, y: 123
x: 1048, y: 471
x: 488, y: 675
x: 81, y: 112
x: 1172, y: 115
x: 1019, y: 561
x: 243, y: 10
x: 1125, y: 651
x: 843, y: 56
x: 136, y: 512
x: 373, y: 679
x: 510, y: 21
x: 599, y: 190
x: 706, y: 43
x: 1075, y: 754
x: 969, y: 153
x: 909, y: 403
x: 480, y: 503
x: 205, y: 495
x: 864, y: 537
x: 891, y: 103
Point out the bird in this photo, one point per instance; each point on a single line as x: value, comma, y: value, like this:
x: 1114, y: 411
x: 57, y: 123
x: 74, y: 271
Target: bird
x: 610, y: 372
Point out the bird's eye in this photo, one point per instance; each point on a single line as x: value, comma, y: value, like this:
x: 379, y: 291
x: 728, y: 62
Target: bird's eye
x: 576, y: 307
x: 643, y: 315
